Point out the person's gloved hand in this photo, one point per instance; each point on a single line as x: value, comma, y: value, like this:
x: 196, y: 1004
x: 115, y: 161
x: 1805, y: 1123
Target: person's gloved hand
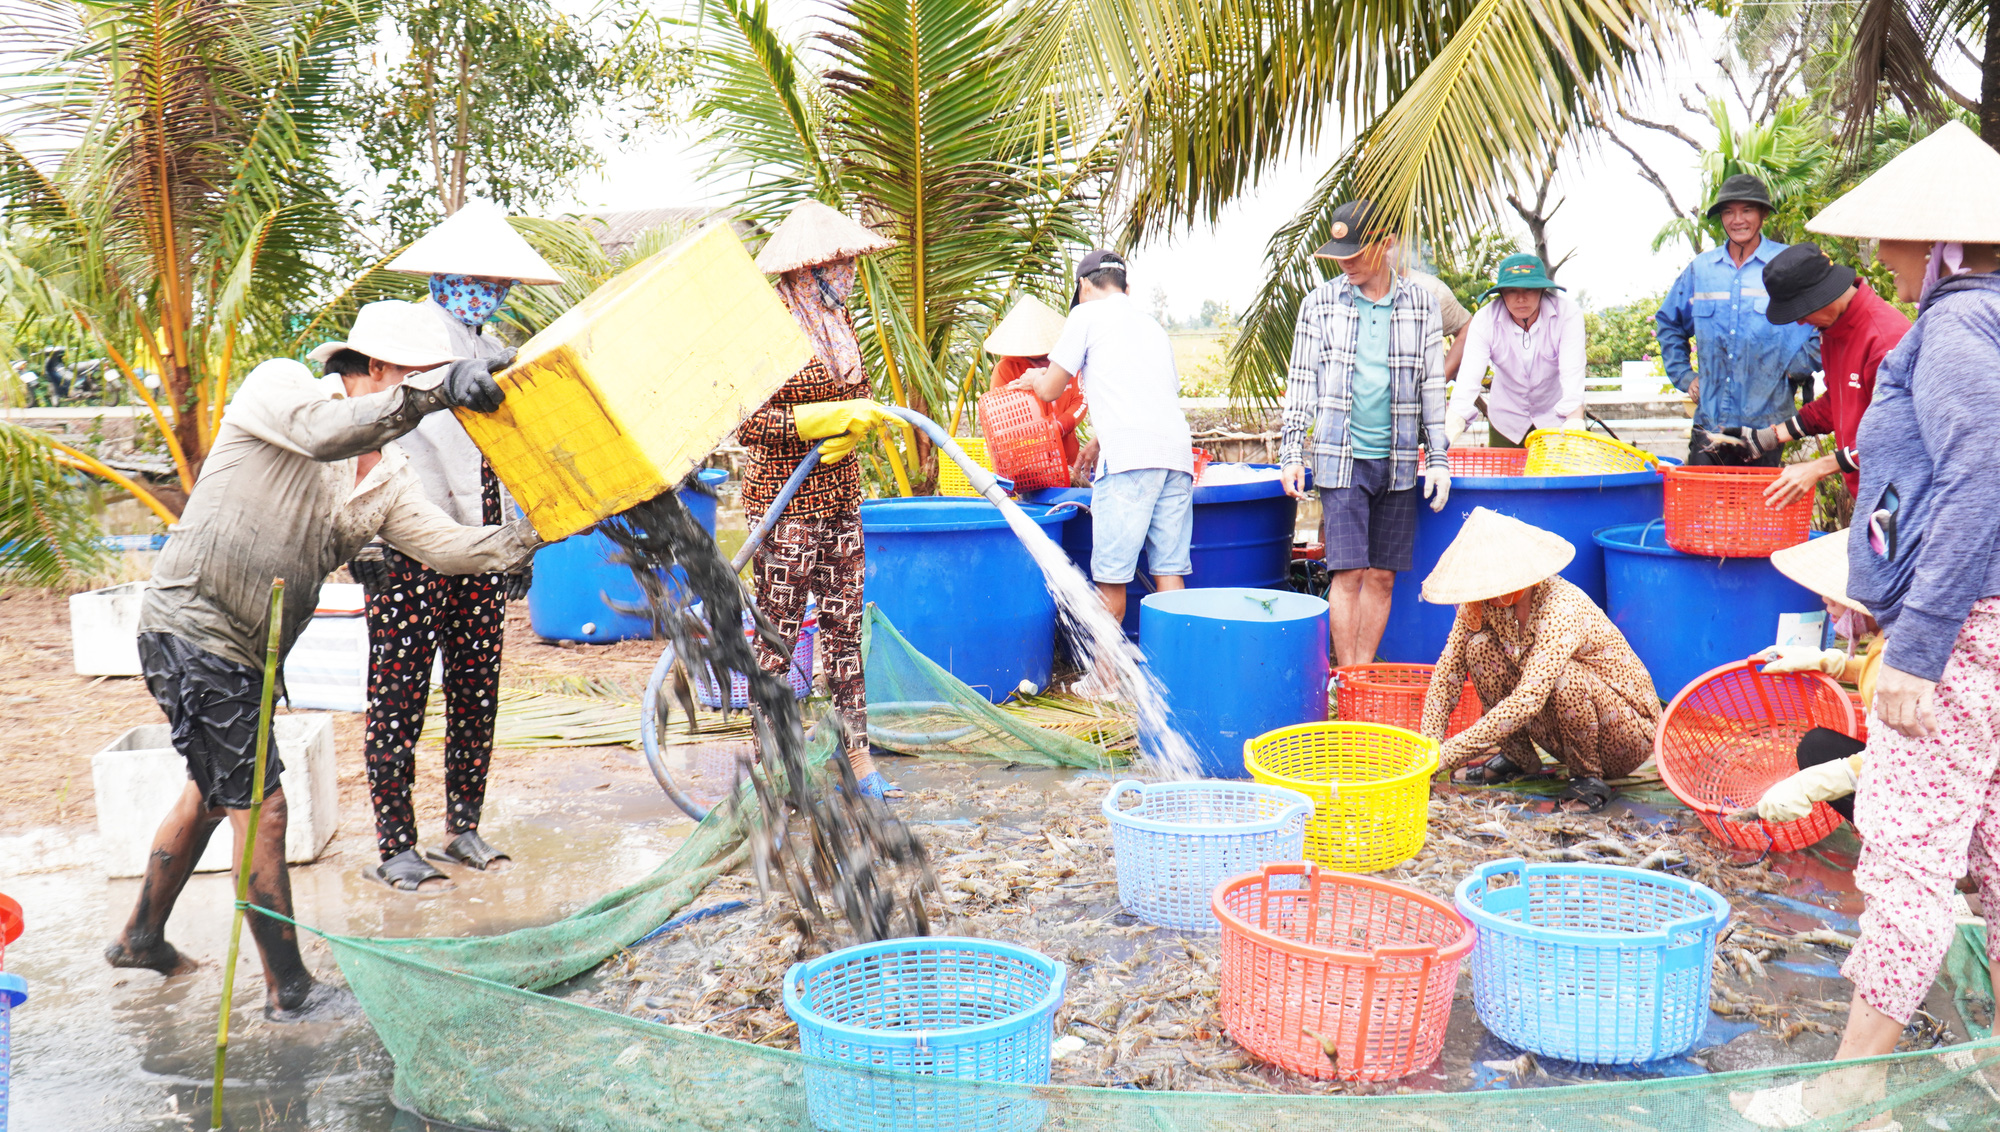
x: 1437, y: 486
x: 1793, y: 798
x: 1908, y: 704
x: 369, y: 568
x: 1803, y: 658
x: 468, y: 384
x: 1757, y: 440
x: 1453, y: 429
x: 519, y: 579
x: 840, y: 425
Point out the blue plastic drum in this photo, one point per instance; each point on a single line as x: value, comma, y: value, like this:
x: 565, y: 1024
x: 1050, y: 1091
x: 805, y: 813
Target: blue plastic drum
x: 954, y: 579
x: 1242, y: 537
x: 577, y: 582
x: 1571, y: 506
x: 1684, y: 615
x: 1235, y: 663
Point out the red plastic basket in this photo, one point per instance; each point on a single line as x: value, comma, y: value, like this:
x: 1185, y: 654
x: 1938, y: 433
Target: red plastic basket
x: 1720, y: 512
x: 1311, y: 956
x: 1023, y: 440
x: 1474, y: 461
x: 1733, y: 733
x: 1394, y: 694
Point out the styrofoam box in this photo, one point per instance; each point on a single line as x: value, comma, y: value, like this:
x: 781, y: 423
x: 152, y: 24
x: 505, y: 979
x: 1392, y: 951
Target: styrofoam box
x: 140, y: 775
x: 104, y: 630
x: 327, y: 669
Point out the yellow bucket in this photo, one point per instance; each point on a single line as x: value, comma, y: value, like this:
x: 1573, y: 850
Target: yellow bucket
x: 951, y: 477
x: 624, y: 395
x: 1574, y: 452
x: 1370, y: 786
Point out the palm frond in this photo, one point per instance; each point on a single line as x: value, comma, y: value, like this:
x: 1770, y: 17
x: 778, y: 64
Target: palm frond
x: 47, y: 533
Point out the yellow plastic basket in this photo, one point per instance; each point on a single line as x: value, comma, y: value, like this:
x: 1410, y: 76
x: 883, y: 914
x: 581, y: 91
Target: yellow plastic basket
x: 1370, y: 786
x: 951, y: 477
x: 1574, y: 452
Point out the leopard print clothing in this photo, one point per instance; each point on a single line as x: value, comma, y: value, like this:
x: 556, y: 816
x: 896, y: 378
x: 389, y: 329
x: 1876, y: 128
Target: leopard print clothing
x: 775, y: 452
x: 1568, y: 683
x: 821, y: 557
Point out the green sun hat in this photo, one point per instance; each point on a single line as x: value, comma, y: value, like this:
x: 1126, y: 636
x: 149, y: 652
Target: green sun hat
x: 1524, y: 271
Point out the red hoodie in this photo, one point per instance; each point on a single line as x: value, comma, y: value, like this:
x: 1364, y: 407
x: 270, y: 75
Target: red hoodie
x: 1850, y: 351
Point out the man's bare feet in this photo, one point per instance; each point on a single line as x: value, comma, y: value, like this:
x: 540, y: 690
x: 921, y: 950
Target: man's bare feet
x: 315, y: 1002
x: 161, y: 957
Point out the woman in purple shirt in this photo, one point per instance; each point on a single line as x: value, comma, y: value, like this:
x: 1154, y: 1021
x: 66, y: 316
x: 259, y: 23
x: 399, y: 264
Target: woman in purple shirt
x: 1533, y: 340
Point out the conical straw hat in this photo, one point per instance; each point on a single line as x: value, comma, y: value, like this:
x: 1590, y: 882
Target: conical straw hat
x: 1942, y: 188
x: 1495, y: 554
x: 1819, y: 565
x: 1029, y: 330
x: 813, y: 233
x: 476, y: 240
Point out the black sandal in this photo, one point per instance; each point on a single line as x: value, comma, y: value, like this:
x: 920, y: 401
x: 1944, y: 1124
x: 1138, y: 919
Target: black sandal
x: 1592, y: 792
x: 409, y: 872
x: 1492, y: 772
x: 471, y: 850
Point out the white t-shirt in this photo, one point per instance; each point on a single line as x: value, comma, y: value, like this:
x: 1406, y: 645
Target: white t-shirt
x: 1126, y: 365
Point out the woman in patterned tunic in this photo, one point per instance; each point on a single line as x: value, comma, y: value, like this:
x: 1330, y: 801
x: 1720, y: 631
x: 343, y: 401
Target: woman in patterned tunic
x: 815, y: 549
x: 1554, y: 670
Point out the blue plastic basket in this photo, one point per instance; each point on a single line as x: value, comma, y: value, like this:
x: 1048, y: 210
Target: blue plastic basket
x: 1593, y: 963
x: 13, y: 992
x: 800, y: 674
x: 1184, y: 838
x: 938, y: 1006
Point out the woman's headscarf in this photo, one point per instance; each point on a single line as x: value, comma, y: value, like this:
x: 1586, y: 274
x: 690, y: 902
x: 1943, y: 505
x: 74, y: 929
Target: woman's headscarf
x: 817, y: 298
x: 1947, y: 259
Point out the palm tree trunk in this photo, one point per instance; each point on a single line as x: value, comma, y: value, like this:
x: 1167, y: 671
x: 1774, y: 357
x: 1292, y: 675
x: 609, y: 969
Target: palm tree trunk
x: 1989, y: 79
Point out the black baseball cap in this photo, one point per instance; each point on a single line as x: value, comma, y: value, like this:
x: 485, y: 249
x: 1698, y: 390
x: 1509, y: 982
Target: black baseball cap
x: 1741, y: 188
x: 1093, y: 260
x: 1801, y: 280
x: 1356, y: 224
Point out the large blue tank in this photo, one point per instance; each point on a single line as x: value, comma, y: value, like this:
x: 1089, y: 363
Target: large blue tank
x: 1684, y: 615
x: 1242, y: 537
x: 1235, y: 662
x: 1571, y: 506
x: 576, y: 581
x: 954, y: 579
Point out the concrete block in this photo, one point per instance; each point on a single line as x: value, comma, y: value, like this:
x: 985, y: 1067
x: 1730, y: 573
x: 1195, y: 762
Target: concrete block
x: 104, y: 630
x: 139, y: 776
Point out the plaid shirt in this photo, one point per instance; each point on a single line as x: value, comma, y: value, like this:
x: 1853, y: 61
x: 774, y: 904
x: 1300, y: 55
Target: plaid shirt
x: 1319, y: 390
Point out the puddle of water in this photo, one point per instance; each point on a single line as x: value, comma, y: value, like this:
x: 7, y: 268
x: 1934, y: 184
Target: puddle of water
x: 95, y: 1048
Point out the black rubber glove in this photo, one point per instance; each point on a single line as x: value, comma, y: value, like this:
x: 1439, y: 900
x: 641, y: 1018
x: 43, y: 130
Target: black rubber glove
x: 520, y: 578
x: 468, y: 384
x: 370, y: 569
x: 1757, y: 440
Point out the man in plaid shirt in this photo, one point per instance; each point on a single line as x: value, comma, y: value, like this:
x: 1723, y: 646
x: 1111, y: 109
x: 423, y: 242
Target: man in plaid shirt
x: 1367, y: 381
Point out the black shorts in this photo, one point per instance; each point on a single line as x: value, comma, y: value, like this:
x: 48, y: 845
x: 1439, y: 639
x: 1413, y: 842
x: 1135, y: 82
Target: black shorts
x: 1823, y: 745
x: 212, y: 704
x: 1365, y: 524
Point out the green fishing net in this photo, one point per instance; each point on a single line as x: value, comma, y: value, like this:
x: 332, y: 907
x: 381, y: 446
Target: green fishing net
x: 915, y: 707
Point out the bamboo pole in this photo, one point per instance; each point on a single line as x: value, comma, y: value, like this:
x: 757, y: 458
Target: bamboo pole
x: 277, y: 616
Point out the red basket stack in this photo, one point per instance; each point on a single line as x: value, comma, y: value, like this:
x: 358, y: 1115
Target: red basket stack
x: 1719, y: 512
x: 1022, y: 439
x: 1394, y: 694
x: 1734, y: 733
x: 1474, y: 461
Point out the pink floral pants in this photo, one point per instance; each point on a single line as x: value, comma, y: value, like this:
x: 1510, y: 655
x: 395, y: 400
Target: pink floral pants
x: 1927, y: 810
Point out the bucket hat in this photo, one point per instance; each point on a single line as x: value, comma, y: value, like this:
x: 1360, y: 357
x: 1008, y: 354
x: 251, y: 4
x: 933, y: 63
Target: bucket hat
x: 400, y: 333
x: 1741, y: 188
x: 1524, y: 271
x: 1938, y: 190
x: 1495, y: 554
x: 1356, y: 224
x: 1030, y: 330
x: 814, y: 234
x: 1801, y: 280
x: 1819, y: 565
x: 476, y: 240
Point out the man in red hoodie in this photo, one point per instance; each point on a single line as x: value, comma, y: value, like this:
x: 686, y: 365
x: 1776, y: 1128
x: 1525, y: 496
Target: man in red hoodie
x: 1857, y: 330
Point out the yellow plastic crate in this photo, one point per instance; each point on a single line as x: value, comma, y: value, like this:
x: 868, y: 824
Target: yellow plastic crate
x: 1574, y: 452
x: 951, y: 477
x: 1370, y: 786
x: 628, y: 392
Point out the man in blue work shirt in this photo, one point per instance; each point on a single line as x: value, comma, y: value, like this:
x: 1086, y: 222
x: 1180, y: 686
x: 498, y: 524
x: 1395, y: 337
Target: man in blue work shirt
x: 1747, y: 364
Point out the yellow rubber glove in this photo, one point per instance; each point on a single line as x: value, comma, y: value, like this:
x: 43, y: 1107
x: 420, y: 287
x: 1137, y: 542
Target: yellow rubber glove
x: 839, y: 425
x: 1804, y: 658
x: 1793, y: 798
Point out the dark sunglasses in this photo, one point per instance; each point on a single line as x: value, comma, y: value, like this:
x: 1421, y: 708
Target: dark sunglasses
x: 1882, y: 524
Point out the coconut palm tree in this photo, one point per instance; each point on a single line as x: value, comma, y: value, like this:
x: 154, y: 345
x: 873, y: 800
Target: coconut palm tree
x: 163, y: 163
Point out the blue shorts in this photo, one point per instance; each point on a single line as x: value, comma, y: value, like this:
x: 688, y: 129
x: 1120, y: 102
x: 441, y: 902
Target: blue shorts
x: 1367, y: 526
x: 1151, y: 508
